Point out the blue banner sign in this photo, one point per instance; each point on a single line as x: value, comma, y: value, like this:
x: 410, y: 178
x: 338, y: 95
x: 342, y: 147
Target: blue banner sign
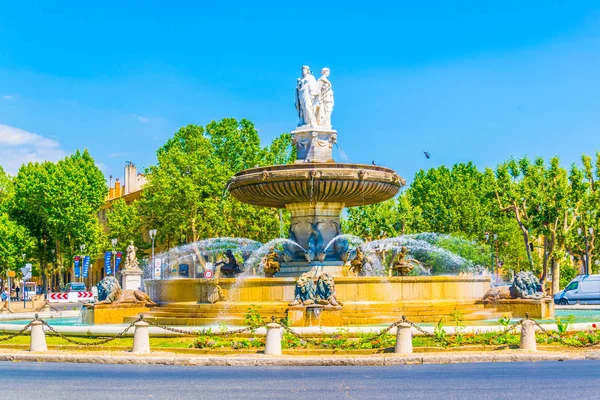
x: 76, y: 260
x: 86, y: 266
x: 107, y: 269
x: 118, y: 261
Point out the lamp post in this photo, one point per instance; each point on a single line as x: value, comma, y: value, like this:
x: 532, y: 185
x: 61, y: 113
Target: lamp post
x: 152, y: 233
x: 114, y: 241
x: 23, y: 289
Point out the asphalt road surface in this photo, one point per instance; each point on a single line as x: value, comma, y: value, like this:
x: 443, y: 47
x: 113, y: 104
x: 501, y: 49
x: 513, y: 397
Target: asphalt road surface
x: 543, y: 380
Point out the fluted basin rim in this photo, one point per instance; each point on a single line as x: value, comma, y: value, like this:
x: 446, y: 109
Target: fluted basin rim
x: 351, y: 184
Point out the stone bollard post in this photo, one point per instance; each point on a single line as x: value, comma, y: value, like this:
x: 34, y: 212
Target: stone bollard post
x: 38, y: 337
x: 273, y: 342
x: 141, y: 338
x: 528, y: 335
x: 404, y: 338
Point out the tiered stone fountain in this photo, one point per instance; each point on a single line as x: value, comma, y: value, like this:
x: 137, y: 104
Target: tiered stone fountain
x: 315, y: 189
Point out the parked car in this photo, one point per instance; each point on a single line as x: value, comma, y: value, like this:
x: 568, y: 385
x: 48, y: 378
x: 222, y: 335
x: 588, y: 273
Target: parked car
x: 584, y: 289
x: 75, y: 287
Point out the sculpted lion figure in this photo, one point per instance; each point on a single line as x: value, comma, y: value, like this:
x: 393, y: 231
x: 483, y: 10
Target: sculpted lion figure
x: 325, y: 293
x: 305, y: 291
x: 110, y: 292
x: 525, y: 286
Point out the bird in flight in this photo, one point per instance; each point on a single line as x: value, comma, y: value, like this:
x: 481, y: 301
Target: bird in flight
x: 427, y: 155
x: 373, y: 162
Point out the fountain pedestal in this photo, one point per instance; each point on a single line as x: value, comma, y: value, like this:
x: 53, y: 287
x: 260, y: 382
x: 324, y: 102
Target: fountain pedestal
x: 314, y: 144
x: 131, y: 279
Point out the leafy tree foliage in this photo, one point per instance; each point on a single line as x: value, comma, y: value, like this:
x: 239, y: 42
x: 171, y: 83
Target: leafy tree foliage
x: 185, y: 197
x: 58, y: 204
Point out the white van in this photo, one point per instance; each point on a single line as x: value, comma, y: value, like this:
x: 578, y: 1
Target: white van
x: 584, y: 289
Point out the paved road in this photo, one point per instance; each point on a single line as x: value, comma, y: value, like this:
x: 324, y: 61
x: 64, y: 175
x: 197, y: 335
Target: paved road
x: 545, y: 380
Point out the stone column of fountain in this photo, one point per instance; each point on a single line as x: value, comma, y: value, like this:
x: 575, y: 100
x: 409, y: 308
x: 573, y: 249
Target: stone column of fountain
x: 315, y: 189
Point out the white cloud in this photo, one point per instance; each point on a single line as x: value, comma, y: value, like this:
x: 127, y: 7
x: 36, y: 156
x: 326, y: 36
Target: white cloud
x: 142, y: 119
x: 9, y: 97
x: 18, y: 146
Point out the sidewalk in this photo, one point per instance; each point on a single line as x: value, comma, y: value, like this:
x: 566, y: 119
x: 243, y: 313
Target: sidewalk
x: 160, y: 358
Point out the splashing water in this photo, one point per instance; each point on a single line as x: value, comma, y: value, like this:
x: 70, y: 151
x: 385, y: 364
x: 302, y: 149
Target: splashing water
x: 352, y: 239
x: 206, y: 247
x: 420, y: 250
x: 254, y: 261
x: 343, y: 154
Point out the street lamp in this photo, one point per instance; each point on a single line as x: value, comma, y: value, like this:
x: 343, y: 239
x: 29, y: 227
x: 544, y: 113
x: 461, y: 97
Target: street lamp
x: 152, y: 233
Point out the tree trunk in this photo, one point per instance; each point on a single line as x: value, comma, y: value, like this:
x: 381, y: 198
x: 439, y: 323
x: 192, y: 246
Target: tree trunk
x: 555, y: 276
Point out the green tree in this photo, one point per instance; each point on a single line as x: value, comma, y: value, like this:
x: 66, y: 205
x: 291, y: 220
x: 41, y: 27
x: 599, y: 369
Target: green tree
x: 452, y: 200
x: 185, y: 197
x: 58, y: 203
x: 125, y: 224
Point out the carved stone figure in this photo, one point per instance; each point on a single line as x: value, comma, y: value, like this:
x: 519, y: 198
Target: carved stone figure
x: 131, y: 260
x: 525, y: 286
x: 403, y: 266
x: 306, y: 95
x: 315, y: 245
x: 229, y: 268
x: 357, y: 264
x: 324, y: 105
x: 325, y: 293
x: 304, y: 294
x: 271, y: 265
x: 110, y: 292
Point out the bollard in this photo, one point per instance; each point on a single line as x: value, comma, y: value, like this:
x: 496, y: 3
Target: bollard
x: 273, y: 343
x: 404, y: 338
x: 38, y: 337
x: 528, y: 335
x: 141, y: 338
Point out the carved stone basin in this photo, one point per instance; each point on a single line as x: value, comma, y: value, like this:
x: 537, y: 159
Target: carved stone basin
x: 349, y: 184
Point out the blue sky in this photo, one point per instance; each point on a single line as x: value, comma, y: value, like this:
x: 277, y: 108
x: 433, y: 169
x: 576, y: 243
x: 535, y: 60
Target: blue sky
x: 462, y: 80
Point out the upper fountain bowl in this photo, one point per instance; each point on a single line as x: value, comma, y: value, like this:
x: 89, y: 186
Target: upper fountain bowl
x: 351, y: 184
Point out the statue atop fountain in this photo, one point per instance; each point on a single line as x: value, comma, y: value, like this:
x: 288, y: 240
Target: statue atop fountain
x: 131, y: 274
x: 131, y: 261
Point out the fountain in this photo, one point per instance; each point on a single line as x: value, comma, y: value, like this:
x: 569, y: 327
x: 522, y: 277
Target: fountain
x: 294, y: 277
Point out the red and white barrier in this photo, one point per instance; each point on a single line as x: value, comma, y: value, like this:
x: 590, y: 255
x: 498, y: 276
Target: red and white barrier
x: 70, y: 297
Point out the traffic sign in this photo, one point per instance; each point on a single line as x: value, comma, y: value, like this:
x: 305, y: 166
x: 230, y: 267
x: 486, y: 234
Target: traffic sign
x: 10, y: 273
x: 208, y: 274
x: 157, y: 268
x: 26, y: 271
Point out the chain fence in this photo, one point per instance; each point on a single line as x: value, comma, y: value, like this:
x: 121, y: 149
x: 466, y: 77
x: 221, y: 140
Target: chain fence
x: 440, y: 336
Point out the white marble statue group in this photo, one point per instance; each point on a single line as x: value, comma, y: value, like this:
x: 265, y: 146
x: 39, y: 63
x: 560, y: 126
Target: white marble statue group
x: 314, y: 99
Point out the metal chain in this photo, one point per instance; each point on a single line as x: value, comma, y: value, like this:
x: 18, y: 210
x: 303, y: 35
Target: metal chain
x: 561, y: 339
x: 96, y: 343
x: 46, y: 303
x: 5, y: 338
x: 202, y: 332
